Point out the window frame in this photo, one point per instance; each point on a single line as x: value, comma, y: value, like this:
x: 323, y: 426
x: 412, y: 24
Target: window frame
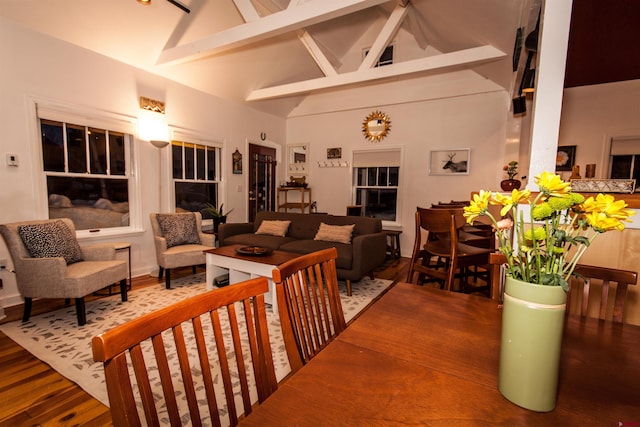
x: 196, y: 139
x: 40, y: 108
x: 399, y: 193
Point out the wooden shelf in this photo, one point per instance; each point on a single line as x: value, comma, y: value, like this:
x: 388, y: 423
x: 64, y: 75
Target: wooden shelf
x: 285, y: 205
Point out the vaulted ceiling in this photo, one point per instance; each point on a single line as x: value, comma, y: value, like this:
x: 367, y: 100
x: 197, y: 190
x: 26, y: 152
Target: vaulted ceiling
x: 270, y: 54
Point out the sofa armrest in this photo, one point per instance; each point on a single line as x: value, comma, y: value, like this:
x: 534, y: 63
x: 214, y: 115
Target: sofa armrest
x: 98, y: 252
x: 231, y: 229
x: 369, y: 252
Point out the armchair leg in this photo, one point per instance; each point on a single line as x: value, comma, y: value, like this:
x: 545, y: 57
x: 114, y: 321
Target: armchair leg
x: 193, y: 269
x: 168, y: 278
x: 161, y: 273
x: 123, y: 290
x: 348, y: 283
x: 27, y: 309
x: 80, y: 311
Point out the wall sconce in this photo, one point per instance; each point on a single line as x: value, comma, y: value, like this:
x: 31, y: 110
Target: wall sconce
x: 152, y: 123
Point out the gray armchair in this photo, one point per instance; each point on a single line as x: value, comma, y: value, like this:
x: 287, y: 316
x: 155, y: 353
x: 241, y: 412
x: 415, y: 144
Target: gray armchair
x: 179, y: 241
x: 49, y: 263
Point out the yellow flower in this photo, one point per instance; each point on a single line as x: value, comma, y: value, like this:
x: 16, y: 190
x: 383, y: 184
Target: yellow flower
x: 601, y: 222
x: 552, y: 185
x: 609, y: 206
x: 477, y: 206
x: 509, y: 201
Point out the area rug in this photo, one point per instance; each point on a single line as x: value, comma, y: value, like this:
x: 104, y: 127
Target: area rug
x: 56, y: 338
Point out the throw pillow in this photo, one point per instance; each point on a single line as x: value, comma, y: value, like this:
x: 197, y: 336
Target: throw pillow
x: 179, y: 229
x: 274, y: 228
x: 335, y: 233
x: 51, y: 239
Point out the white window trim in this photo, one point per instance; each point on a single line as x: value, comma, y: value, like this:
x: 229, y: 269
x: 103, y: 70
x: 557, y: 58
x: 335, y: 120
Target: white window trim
x: 86, y: 116
x: 389, y: 225
x: 168, y: 203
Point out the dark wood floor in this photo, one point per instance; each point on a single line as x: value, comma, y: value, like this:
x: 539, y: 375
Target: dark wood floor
x: 33, y: 394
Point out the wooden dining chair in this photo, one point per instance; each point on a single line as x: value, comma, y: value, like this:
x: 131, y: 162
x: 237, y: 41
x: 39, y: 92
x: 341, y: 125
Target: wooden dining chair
x: 228, y: 359
x: 309, y: 304
x: 588, y: 275
x: 446, y: 225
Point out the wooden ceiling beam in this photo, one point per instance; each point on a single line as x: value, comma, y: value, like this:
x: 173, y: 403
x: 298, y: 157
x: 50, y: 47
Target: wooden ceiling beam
x: 288, y: 20
x: 435, y: 64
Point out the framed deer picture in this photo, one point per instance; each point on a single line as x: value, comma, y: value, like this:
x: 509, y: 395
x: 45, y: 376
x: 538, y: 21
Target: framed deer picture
x: 450, y: 162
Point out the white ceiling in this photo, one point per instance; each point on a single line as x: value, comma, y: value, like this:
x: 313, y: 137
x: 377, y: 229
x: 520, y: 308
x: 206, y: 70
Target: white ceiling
x: 266, y: 51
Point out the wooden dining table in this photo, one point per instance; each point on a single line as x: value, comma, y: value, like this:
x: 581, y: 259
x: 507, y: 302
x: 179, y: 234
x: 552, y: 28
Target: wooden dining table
x: 424, y: 357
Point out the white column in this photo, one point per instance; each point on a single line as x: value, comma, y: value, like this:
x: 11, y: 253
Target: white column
x: 549, y: 86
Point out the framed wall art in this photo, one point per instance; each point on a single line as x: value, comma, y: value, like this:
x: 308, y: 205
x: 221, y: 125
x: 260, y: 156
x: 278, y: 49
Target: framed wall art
x: 450, y: 162
x: 334, y: 153
x: 565, y: 158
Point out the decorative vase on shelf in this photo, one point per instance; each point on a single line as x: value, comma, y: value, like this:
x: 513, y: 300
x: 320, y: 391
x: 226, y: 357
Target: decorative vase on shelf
x: 532, y: 327
x: 510, y: 184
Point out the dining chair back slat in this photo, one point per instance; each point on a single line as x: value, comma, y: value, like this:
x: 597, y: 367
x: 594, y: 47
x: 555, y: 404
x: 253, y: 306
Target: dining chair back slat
x: 309, y: 304
x: 585, y: 274
x: 152, y: 339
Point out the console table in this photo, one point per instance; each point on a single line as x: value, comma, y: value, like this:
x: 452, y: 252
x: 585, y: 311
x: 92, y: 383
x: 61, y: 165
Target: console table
x: 283, y: 199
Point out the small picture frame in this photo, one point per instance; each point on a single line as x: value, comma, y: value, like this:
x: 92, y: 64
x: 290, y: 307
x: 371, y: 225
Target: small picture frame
x: 334, y: 153
x: 237, y: 162
x: 565, y: 158
x: 450, y: 162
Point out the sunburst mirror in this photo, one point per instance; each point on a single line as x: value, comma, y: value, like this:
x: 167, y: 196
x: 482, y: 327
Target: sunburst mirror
x: 376, y: 126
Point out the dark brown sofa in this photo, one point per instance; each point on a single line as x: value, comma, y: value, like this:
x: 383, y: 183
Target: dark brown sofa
x: 356, y: 260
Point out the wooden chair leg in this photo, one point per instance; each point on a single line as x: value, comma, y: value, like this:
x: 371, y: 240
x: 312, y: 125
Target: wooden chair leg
x: 27, y: 309
x: 80, y: 311
x: 167, y: 278
x: 348, y: 283
x: 193, y: 269
x: 123, y: 290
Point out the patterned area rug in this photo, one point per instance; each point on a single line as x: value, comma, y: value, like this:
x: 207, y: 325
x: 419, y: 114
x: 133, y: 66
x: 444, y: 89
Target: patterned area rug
x: 56, y: 338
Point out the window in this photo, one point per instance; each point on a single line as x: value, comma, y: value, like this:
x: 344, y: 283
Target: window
x: 196, y: 176
x: 386, y: 58
x: 87, y: 172
x: 376, y: 178
x: 625, y: 158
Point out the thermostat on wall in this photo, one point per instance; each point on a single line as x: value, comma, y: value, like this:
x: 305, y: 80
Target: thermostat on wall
x: 12, y: 159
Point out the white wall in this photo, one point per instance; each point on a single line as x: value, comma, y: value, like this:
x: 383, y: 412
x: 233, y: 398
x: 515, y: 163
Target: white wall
x: 43, y: 67
x: 591, y: 115
x: 477, y: 122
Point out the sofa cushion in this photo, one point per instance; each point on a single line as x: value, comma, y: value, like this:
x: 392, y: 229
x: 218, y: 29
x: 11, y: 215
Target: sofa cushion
x: 179, y: 228
x: 264, y: 240
x: 51, y: 239
x: 345, y: 252
x: 273, y: 228
x: 335, y: 233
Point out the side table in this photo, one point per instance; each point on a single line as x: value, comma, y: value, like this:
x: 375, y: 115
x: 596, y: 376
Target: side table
x: 119, y: 246
x: 393, y: 242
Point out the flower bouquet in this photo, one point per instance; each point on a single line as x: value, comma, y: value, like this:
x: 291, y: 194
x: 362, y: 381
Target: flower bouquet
x: 561, y: 227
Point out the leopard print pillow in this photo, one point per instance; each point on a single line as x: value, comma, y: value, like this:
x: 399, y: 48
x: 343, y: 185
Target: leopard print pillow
x: 51, y: 239
x: 179, y: 229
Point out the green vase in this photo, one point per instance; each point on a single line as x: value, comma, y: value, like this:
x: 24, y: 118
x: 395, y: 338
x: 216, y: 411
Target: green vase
x: 532, y: 325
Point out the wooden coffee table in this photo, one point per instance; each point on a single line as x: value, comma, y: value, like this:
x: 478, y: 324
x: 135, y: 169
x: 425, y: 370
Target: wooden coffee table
x: 240, y: 267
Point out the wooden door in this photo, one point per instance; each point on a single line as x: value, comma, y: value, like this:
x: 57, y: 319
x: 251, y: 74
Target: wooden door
x: 262, y: 172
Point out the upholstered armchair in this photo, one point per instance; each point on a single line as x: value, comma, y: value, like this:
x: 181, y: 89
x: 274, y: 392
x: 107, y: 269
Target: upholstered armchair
x: 49, y: 263
x: 179, y: 241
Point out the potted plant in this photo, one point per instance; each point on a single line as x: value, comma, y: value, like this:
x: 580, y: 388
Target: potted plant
x: 511, y: 183
x: 216, y: 214
x: 540, y: 259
